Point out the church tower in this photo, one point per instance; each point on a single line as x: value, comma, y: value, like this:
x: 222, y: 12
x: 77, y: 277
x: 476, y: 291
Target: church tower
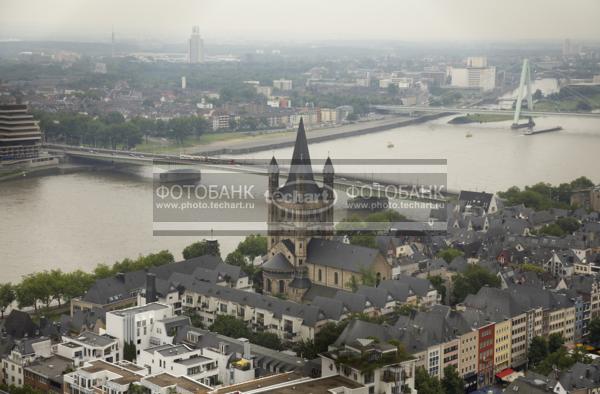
x: 297, y: 212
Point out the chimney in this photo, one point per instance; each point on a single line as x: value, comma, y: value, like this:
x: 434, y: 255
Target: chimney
x: 150, y: 288
x: 43, y: 321
x: 223, y: 348
x: 247, y: 355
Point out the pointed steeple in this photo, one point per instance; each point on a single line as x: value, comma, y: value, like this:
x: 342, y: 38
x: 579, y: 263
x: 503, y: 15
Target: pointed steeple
x: 273, y: 166
x: 300, y: 168
x: 328, y: 168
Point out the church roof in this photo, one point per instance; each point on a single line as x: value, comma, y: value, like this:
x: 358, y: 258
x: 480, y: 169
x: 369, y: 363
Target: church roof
x: 340, y: 255
x: 278, y: 263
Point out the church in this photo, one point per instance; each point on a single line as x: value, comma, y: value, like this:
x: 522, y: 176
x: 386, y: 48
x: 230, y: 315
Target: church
x: 302, y: 253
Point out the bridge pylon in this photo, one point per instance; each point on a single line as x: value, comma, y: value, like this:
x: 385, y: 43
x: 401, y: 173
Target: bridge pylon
x: 525, y: 83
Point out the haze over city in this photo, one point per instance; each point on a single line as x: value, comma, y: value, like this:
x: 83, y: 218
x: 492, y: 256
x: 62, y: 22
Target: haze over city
x: 275, y: 20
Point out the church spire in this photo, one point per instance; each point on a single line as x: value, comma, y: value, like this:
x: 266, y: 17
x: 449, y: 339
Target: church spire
x: 300, y: 168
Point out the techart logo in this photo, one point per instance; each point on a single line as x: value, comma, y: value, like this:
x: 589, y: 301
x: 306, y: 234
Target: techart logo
x: 313, y: 198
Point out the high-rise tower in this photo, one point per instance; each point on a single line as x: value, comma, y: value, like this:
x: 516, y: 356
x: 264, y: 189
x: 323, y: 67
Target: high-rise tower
x: 196, y: 47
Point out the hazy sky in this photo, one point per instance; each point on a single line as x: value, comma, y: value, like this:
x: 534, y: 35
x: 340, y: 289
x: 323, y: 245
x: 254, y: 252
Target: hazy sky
x: 282, y: 20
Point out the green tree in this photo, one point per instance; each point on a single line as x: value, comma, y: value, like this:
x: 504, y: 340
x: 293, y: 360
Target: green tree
x: 438, y: 283
x: 449, y: 254
x: 76, y: 284
x: 552, y: 229
x: 306, y: 349
x: 473, y: 279
x: 201, y: 248
x: 129, y: 351
x: 452, y: 383
x: 594, y: 329
x: 537, y: 95
x: 231, y: 327
x: 538, y: 351
x: 252, y: 246
x: 7, y: 297
x: 568, y: 224
x: 267, y: 339
x: 555, y: 342
x: 25, y: 296
x: 583, y: 106
x: 426, y: 384
x: 235, y: 258
x: 581, y: 183
x: 392, y: 89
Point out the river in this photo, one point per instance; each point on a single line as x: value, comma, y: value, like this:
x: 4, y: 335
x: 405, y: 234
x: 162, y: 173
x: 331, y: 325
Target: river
x: 76, y: 221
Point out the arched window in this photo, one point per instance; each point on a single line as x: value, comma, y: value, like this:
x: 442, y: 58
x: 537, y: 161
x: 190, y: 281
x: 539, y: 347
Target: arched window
x: 336, y: 279
x: 320, y: 276
x: 281, y: 286
x: 269, y: 285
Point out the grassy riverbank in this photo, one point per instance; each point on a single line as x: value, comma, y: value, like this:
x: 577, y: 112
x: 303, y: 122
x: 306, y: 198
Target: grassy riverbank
x: 203, y: 140
x: 480, y: 118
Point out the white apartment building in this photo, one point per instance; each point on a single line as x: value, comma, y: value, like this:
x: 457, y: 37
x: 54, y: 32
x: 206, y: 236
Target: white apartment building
x: 89, y: 346
x: 282, y: 84
x: 99, y: 376
x: 180, y: 360
x: 142, y: 326
x: 477, y: 74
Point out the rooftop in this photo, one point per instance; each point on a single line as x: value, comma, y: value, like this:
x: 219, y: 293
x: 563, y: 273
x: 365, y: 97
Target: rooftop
x: 155, y: 306
x: 166, y: 380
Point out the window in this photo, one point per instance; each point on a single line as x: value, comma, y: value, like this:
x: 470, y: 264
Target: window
x: 269, y: 285
x: 336, y: 279
x: 281, y: 286
x: 320, y: 276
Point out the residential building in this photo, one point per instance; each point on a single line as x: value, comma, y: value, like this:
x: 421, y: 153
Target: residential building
x: 20, y: 135
x: 124, y: 289
x: 140, y: 326
x: 165, y: 383
x: 101, y: 376
x: 46, y: 374
x: 23, y: 353
x: 477, y: 74
x: 380, y: 366
x: 89, y: 346
x: 180, y: 360
x: 587, y: 198
x: 282, y: 84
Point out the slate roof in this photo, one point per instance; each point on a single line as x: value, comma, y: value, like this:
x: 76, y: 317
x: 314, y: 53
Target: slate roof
x: 580, y: 376
x: 108, y: 290
x: 309, y: 314
x: 339, y: 255
x: 19, y: 325
x: 278, y: 263
x: 500, y: 304
x: 477, y: 199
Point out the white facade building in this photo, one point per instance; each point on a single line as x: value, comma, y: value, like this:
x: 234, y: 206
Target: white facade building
x: 180, y: 360
x: 477, y: 74
x: 23, y: 354
x: 89, y: 346
x: 282, y: 84
x: 139, y: 326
